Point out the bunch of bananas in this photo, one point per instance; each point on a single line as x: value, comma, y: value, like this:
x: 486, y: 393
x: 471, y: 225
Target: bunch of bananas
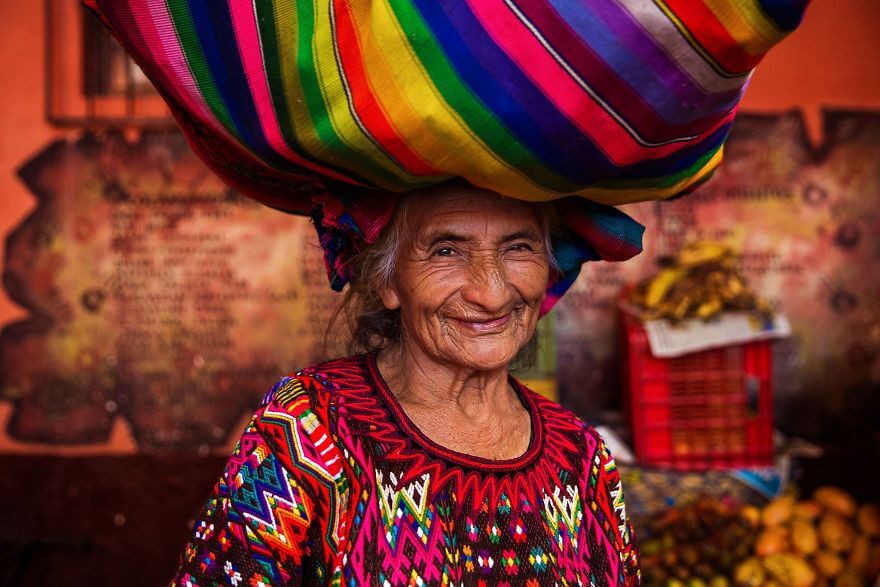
x: 701, y: 282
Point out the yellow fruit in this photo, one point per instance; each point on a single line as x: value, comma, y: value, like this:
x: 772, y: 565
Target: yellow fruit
x: 699, y: 253
x: 751, y: 514
x: 868, y: 519
x: 749, y: 573
x: 836, y: 533
x: 804, y: 537
x: 836, y: 500
x: 682, y: 306
x: 778, y: 511
x: 790, y: 569
x: 660, y: 285
x: 710, y: 307
x: 771, y: 541
x: 828, y: 564
x: 735, y: 287
x: 860, y: 554
x: 807, y: 509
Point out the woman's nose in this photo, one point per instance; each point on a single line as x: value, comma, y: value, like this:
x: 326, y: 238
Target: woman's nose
x: 486, y: 284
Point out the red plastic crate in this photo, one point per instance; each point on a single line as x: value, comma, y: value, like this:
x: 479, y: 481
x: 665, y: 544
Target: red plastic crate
x: 707, y: 410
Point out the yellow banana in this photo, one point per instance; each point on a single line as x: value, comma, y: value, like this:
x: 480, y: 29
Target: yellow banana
x: 702, y: 252
x: 710, y: 307
x: 661, y: 284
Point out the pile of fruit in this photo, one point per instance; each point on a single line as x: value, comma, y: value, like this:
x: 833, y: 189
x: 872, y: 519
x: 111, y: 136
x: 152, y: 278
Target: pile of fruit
x: 701, y: 282
x: 696, y: 545
x: 826, y: 540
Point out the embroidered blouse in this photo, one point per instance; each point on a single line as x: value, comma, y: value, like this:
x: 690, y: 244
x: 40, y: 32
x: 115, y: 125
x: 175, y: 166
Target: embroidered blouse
x: 331, y: 483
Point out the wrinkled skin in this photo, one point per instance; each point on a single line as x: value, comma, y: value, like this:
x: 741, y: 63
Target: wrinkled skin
x: 469, y: 285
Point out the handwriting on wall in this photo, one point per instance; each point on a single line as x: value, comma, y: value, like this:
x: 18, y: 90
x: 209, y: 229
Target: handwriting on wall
x: 155, y: 293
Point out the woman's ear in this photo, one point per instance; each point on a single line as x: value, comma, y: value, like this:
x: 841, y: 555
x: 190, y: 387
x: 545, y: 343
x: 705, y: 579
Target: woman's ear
x: 389, y: 297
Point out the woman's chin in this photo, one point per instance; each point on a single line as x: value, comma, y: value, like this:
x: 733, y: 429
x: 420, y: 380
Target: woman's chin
x: 481, y: 355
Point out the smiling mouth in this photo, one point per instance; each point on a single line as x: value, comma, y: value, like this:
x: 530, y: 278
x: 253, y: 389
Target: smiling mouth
x: 488, y: 325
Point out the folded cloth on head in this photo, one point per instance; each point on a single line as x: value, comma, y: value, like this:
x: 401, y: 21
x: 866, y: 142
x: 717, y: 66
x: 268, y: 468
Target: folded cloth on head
x: 614, y: 101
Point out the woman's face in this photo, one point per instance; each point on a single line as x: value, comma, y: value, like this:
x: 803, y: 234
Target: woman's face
x: 470, y: 278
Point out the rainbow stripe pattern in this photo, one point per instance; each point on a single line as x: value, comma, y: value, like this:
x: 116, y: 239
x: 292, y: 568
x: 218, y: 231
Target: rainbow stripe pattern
x: 613, y: 100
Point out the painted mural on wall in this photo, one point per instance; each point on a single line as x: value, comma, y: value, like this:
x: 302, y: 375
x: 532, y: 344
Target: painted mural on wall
x: 159, y: 296
x: 155, y: 294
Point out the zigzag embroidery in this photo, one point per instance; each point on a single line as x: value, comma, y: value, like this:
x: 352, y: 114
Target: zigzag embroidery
x: 567, y: 509
x: 620, y: 511
x: 280, y: 511
x: 329, y: 471
x: 408, y: 505
x: 616, y: 491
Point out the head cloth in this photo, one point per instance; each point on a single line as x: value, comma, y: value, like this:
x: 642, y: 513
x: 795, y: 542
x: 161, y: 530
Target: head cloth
x: 326, y: 107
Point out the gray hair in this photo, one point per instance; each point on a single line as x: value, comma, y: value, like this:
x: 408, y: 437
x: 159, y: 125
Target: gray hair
x: 372, y: 326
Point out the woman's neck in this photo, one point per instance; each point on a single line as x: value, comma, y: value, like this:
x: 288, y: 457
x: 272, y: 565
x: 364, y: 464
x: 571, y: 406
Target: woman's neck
x: 417, y: 379
x: 471, y: 411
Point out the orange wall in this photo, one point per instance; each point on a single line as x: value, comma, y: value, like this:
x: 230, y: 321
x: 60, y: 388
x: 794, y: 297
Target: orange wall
x: 23, y: 130
x: 833, y: 59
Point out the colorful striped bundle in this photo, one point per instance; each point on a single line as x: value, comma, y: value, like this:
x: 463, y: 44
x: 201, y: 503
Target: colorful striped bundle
x: 614, y: 100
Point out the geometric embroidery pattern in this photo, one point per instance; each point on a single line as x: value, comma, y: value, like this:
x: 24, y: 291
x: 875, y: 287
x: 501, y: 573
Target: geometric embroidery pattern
x: 406, y: 507
x: 332, y: 484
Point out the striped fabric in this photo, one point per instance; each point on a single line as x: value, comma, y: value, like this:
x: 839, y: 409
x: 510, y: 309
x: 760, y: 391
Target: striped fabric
x: 614, y: 100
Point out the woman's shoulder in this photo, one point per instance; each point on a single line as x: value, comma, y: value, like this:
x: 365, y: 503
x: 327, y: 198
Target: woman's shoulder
x: 565, y: 422
x: 316, y: 384
x: 295, y: 420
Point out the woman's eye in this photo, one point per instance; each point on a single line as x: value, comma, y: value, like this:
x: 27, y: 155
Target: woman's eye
x: 443, y: 252
x: 521, y: 247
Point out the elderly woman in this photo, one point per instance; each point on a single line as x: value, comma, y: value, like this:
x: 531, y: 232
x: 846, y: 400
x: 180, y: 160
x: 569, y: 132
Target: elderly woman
x: 423, y: 462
